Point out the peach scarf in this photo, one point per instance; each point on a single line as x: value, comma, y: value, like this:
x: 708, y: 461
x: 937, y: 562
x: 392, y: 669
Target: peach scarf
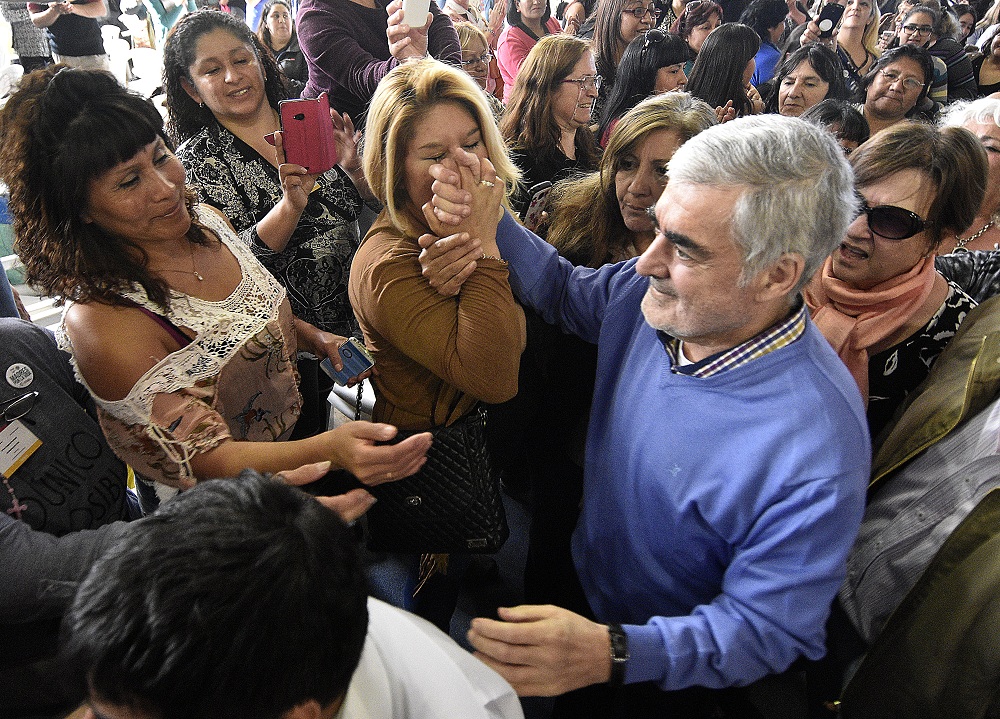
x: 853, y: 320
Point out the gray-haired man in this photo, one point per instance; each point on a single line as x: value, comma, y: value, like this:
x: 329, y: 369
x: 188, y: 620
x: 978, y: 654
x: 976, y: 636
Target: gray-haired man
x: 727, y: 453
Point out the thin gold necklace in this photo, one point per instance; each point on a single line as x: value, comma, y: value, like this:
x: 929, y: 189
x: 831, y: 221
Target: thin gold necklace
x: 194, y: 267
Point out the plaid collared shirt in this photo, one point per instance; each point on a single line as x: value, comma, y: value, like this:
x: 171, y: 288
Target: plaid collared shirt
x: 775, y: 337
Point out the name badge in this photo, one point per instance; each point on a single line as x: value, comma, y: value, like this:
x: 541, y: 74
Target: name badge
x: 17, y: 443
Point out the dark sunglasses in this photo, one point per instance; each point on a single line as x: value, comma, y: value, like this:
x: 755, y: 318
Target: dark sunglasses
x: 891, y: 222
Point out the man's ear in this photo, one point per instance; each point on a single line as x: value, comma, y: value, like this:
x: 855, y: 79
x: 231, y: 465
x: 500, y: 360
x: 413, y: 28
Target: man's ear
x: 781, y: 278
x: 189, y: 89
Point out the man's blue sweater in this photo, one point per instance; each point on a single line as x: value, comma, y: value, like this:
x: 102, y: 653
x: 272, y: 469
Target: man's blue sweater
x: 718, y: 512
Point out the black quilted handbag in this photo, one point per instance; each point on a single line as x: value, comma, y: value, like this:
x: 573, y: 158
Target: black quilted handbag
x: 451, y: 506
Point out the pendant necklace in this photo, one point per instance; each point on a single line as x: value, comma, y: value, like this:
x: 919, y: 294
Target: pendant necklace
x: 962, y: 242
x: 194, y: 267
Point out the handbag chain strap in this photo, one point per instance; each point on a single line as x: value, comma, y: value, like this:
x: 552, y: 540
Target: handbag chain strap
x: 357, y: 407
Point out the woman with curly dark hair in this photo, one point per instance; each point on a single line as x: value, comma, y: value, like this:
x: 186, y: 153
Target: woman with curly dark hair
x: 185, y: 342
x: 547, y: 122
x: 223, y: 90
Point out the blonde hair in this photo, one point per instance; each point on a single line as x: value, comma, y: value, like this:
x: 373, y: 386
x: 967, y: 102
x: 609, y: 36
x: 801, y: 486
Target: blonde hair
x: 403, y: 97
x: 467, y: 31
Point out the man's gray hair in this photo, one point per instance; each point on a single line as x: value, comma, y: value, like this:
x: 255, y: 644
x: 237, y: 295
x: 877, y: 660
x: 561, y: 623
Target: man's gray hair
x: 799, y: 190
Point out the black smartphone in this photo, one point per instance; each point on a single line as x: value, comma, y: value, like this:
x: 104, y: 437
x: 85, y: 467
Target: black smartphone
x: 828, y: 18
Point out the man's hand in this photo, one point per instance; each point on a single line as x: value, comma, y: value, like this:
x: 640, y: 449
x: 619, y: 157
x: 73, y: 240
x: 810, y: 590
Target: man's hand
x: 448, y: 262
x: 406, y: 41
x: 543, y: 650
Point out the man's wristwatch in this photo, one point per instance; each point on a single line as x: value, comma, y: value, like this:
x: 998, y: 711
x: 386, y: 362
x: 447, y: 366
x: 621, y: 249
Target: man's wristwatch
x: 619, y: 654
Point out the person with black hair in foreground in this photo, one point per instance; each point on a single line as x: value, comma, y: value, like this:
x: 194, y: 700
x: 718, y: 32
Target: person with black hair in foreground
x: 245, y: 599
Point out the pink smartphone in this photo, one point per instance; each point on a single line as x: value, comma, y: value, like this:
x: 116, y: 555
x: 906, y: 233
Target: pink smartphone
x: 307, y: 133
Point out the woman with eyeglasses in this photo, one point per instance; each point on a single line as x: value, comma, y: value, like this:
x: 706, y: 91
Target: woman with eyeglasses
x: 722, y: 72
x: 617, y: 23
x: 527, y: 22
x: 954, y: 78
x: 878, y: 298
x: 476, y: 57
x: 699, y: 20
x: 896, y: 87
x: 652, y: 65
x: 547, y: 122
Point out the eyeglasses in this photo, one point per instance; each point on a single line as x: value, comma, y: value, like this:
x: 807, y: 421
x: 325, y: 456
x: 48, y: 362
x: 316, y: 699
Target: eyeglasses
x: 587, y: 82
x: 642, y: 10
x: 910, y: 83
x: 891, y: 222
x: 19, y: 406
x: 918, y: 29
x: 484, y: 59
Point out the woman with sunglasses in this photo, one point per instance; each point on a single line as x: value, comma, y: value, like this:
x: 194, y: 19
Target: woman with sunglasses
x: 547, y: 122
x: 527, y: 22
x: 652, y: 64
x: 897, y: 87
x: 878, y: 298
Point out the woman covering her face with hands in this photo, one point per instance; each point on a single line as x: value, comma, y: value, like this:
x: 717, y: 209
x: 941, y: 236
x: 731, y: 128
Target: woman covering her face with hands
x: 438, y: 357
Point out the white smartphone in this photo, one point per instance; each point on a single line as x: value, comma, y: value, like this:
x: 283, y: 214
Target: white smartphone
x: 415, y: 12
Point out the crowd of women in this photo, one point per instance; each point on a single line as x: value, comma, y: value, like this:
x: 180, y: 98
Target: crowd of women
x: 206, y: 277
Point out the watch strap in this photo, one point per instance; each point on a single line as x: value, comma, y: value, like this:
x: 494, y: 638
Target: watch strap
x: 619, y: 654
